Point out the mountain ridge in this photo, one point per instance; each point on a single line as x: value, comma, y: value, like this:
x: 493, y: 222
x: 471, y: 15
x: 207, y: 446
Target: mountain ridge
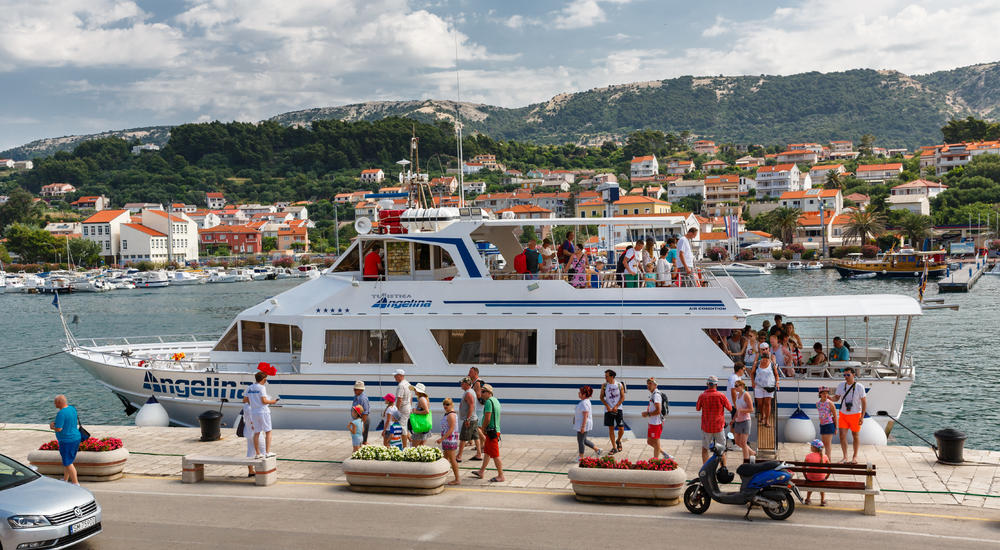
x: 899, y: 109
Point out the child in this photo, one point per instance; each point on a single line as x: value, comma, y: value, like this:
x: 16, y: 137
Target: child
x: 818, y: 457
x: 650, y: 275
x: 396, y: 435
x: 357, y: 436
x: 827, y: 419
x: 596, y: 273
x: 390, y: 415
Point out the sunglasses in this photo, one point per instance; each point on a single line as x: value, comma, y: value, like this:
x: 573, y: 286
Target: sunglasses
x: 848, y: 374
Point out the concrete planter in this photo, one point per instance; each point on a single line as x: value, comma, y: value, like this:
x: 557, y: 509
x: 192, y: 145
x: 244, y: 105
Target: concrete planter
x: 90, y: 466
x: 628, y: 486
x: 387, y: 476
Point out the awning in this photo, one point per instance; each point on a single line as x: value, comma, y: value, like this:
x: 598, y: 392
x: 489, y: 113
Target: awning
x: 767, y: 244
x: 886, y: 305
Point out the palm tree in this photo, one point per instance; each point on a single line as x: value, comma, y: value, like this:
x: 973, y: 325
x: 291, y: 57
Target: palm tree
x: 916, y: 227
x: 833, y: 181
x: 864, y: 223
x: 783, y: 222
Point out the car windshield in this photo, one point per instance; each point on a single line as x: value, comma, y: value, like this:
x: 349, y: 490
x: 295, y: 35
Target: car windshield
x: 14, y: 473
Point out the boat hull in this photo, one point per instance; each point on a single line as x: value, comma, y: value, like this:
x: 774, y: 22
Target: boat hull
x: 539, y: 405
x: 847, y: 272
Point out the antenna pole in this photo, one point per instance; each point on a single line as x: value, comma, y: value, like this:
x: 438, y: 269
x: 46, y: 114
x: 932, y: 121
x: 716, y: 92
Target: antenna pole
x: 458, y: 126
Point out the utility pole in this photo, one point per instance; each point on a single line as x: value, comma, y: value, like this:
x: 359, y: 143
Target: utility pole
x: 336, y: 227
x: 822, y: 225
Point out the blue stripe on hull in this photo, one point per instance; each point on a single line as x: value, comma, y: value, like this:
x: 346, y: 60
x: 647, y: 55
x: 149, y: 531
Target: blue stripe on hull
x: 590, y: 303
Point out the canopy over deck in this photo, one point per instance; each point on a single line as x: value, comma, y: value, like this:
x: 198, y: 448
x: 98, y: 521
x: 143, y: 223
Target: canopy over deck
x: 874, y: 305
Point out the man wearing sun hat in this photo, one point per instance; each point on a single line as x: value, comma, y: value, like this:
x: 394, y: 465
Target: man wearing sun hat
x: 361, y: 400
x: 404, y: 398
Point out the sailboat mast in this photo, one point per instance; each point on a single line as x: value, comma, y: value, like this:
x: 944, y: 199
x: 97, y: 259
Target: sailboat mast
x: 458, y: 127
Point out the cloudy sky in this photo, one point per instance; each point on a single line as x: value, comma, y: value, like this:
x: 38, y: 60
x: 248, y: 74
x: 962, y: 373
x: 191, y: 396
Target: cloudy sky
x: 82, y: 66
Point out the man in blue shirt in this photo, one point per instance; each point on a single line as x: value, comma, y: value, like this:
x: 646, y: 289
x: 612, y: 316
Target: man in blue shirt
x: 68, y: 436
x: 532, y: 259
x: 839, y: 351
x: 361, y: 399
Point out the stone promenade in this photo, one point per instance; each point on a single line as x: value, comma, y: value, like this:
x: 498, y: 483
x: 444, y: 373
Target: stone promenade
x: 531, y: 462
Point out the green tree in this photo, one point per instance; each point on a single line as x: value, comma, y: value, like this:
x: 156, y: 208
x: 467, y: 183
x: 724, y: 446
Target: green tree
x: 833, y: 180
x: 690, y: 203
x: 31, y: 244
x: 269, y: 243
x: 864, y: 223
x: 916, y: 228
x: 783, y: 222
x: 866, y: 145
x: 85, y: 252
x: 970, y: 129
x: 20, y: 208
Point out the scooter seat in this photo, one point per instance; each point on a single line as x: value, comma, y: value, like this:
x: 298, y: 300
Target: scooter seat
x: 750, y: 470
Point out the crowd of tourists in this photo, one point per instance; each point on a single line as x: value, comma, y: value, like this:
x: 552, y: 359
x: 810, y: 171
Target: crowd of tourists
x: 642, y: 264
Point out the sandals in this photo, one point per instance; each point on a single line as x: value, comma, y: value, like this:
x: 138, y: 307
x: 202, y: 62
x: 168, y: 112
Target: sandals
x: 496, y: 480
x: 619, y: 443
x: 476, y: 474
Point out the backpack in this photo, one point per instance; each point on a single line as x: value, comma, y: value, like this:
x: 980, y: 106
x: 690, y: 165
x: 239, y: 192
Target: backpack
x: 561, y: 254
x: 665, y: 405
x: 521, y: 263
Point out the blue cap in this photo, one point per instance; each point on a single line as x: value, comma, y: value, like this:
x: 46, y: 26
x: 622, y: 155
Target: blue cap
x: 816, y: 443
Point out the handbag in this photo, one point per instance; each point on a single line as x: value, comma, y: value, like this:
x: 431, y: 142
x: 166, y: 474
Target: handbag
x: 240, y: 427
x: 84, y: 434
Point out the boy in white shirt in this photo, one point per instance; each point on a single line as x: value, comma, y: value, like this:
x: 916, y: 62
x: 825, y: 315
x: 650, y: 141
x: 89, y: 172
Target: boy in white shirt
x: 260, y: 415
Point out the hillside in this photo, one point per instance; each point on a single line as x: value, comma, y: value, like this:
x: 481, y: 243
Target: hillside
x: 900, y: 110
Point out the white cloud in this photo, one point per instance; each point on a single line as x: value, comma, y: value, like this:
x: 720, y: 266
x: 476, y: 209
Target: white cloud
x: 580, y: 14
x: 515, y: 21
x: 720, y: 27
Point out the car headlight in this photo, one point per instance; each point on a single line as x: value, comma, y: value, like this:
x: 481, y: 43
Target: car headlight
x: 24, y: 522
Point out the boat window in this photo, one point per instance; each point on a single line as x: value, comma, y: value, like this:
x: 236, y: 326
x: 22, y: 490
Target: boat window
x: 253, y: 336
x: 296, y: 339
x: 280, y: 338
x: 397, y: 258
x: 605, y: 348
x: 488, y: 347
x: 442, y: 258
x: 422, y: 256
x: 364, y: 346
x: 350, y: 262
x: 229, y: 342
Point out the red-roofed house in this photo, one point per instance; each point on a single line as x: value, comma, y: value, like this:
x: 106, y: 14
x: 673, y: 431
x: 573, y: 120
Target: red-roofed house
x: 860, y: 200
x: 820, y: 172
x: 293, y: 239
x: 798, y: 155
x: 722, y: 194
x: 879, y: 173
x: 914, y: 196
x: 241, y: 239
x: 215, y: 201
x: 810, y: 200
x: 705, y: 147
x: 625, y: 206
x: 644, y: 167
x: 810, y: 230
x: 372, y: 175
x: 56, y: 189
x: 104, y: 228
x: 182, y: 230
x: 714, y: 165
x: 91, y: 203
x: 772, y: 181
x: 749, y: 162
x: 444, y: 186
x: 680, y: 167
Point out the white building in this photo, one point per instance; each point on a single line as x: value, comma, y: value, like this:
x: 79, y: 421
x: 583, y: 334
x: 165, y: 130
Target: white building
x: 644, y: 167
x: 680, y: 167
x: 820, y: 172
x: 6, y: 163
x: 206, y: 219
x: 879, y: 173
x: 104, y: 228
x: 772, y: 181
x: 23, y: 165
x: 372, y: 175
x: 923, y: 187
x: 137, y: 207
x: 474, y: 187
x: 918, y: 204
x: 679, y: 189
x: 215, y: 201
x: 809, y: 200
x: 139, y: 149
x: 472, y: 167
x: 140, y: 243
x: 183, y: 243
x: 298, y: 211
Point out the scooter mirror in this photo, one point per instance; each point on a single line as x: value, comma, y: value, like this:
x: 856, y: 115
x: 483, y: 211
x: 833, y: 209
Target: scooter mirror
x: 730, y: 436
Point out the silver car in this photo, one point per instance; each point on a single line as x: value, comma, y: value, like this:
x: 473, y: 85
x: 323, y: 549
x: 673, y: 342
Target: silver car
x: 39, y: 513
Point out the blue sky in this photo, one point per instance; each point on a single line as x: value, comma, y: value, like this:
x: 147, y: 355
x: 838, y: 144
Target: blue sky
x: 82, y: 66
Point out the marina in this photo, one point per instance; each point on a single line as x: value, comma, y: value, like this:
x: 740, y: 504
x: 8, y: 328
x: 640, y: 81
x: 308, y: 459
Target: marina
x: 965, y: 276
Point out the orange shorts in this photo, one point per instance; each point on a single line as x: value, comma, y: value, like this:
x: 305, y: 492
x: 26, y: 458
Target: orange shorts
x: 849, y: 422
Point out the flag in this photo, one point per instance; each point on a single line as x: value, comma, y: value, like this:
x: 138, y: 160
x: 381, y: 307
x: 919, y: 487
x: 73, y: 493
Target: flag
x: 923, y: 283
x: 55, y: 300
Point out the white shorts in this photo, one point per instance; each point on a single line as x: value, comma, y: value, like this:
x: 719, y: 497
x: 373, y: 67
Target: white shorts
x: 760, y: 393
x: 251, y: 452
x: 404, y: 421
x: 261, y: 421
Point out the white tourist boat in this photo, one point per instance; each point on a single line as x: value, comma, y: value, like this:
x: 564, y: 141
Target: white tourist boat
x: 814, y: 265
x: 440, y: 310
x: 795, y: 265
x: 737, y: 269
x: 151, y: 279
x: 187, y: 278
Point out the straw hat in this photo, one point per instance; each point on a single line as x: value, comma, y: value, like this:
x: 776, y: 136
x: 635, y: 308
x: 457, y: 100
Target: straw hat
x: 420, y: 389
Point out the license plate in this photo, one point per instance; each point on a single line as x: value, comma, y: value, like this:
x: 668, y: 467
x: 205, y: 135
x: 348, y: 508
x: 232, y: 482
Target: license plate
x: 85, y: 524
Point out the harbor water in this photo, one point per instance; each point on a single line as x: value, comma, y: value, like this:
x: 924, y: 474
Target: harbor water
x: 953, y: 351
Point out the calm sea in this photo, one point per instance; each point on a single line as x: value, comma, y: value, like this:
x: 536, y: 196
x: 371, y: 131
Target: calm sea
x: 953, y: 351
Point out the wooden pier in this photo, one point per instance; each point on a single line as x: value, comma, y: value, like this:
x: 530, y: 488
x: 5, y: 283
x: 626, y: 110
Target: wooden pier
x: 964, y: 278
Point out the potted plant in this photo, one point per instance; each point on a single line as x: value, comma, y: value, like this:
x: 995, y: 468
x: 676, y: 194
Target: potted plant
x: 658, y: 481
x: 415, y: 471
x: 97, y: 460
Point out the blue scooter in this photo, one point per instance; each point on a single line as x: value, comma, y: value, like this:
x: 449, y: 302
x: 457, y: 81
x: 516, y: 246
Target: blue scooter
x: 765, y: 484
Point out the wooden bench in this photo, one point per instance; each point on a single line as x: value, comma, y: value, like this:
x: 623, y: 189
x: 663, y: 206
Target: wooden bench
x: 193, y: 467
x: 858, y: 487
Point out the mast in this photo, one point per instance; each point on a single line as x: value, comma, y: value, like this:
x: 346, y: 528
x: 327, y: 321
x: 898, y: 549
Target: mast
x: 458, y: 127
x: 170, y: 234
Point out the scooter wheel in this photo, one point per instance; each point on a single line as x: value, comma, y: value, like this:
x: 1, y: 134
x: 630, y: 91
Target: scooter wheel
x: 786, y: 505
x: 696, y: 500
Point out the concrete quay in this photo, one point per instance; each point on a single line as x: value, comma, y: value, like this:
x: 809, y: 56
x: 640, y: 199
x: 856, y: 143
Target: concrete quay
x: 906, y: 475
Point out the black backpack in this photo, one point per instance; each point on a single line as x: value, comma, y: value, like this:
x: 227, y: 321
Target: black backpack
x: 665, y: 405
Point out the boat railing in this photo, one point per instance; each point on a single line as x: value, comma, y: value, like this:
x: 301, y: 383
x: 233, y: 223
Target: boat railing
x: 144, y: 340
x: 167, y: 361
x: 611, y: 279
x: 834, y: 371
